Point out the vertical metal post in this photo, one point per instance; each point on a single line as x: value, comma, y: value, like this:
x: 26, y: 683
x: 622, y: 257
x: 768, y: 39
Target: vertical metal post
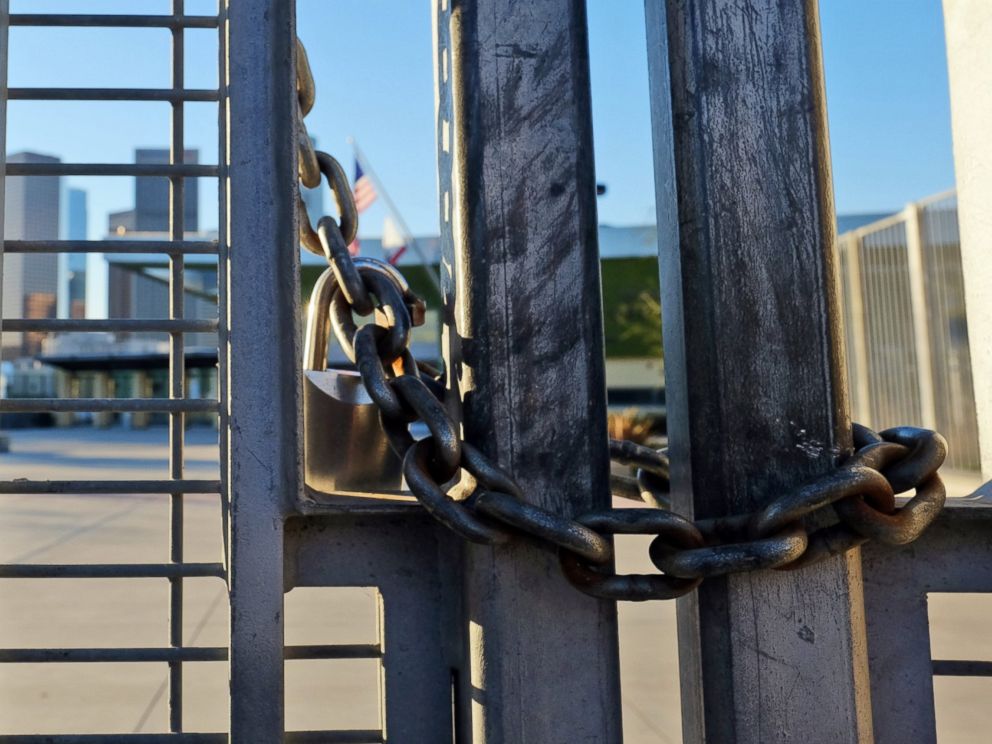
x: 859, y: 333
x: 921, y: 322
x: 263, y: 390
x: 525, y: 353
x: 4, y: 51
x: 901, y: 667
x: 177, y: 367
x: 757, y: 399
x: 223, y: 255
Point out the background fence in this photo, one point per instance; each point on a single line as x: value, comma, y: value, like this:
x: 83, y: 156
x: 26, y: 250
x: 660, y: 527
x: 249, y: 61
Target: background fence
x: 906, y: 325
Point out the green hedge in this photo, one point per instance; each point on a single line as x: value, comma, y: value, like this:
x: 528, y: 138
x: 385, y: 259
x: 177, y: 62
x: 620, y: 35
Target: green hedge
x: 631, y: 329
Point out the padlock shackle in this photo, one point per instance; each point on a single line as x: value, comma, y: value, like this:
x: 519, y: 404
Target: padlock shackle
x: 319, y: 322
x: 315, y: 345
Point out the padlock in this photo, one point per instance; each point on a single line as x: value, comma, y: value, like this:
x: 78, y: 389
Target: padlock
x: 346, y: 450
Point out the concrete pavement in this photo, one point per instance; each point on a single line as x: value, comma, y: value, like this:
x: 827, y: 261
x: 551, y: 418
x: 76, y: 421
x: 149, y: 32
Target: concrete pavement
x: 111, y: 698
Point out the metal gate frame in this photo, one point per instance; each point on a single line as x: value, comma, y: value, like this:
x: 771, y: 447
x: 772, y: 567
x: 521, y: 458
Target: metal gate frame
x: 280, y: 536
x: 174, y: 570
x: 488, y: 658
x: 746, y: 236
x: 754, y: 362
x: 758, y: 395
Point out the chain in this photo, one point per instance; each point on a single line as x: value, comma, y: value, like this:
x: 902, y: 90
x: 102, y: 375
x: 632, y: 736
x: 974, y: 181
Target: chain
x: 827, y: 516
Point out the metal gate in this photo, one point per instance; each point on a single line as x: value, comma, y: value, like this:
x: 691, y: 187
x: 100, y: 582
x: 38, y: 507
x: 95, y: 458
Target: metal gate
x: 173, y: 568
x: 482, y: 644
x: 907, y: 329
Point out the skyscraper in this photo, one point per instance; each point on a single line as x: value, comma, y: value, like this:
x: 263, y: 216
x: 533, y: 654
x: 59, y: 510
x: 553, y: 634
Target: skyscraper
x: 30, y: 281
x: 140, y: 289
x: 76, y: 221
x: 151, y: 198
x: 72, y: 266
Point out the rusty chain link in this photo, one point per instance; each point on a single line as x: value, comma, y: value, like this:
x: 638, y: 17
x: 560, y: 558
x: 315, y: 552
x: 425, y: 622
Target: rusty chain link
x: 858, y: 498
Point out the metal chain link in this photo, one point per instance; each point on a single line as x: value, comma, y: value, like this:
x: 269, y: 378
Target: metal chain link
x: 856, y: 501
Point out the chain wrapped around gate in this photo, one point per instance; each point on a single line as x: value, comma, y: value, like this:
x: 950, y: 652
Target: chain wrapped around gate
x: 857, y: 499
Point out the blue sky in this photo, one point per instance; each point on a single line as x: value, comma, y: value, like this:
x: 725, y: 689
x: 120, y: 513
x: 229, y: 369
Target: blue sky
x: 885, y: 73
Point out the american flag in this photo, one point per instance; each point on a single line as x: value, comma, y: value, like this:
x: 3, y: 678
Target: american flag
x: 364, y: 189
x: 364, y: 197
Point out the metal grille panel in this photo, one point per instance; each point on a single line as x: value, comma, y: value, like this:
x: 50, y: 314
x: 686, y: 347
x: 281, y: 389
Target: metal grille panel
x: 888, y: 315
x: 176, y: 326
x: 954, y: 392
x: 182, y: 331
x: 906, y: 325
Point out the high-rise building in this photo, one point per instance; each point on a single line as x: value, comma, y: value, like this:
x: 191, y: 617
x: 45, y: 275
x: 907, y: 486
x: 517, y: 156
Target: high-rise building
x: 139, y: 288
x: 30, y: 280
x: 72, y: 266
x: 151, y: 198
x: 124, y: 292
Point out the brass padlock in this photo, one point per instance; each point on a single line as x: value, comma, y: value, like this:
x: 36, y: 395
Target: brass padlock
x: 345, y: 448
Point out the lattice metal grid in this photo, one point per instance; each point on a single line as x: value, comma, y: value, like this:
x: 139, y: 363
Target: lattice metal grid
x: 954, y: 395
x: 175, y: 570
x: 906, y: 325
x: 178, y: 404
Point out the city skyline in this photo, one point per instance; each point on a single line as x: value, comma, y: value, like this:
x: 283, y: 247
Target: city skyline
x: 104, y: 285
x: 120, y: 222
x: 75, y: 285
x: 887, y: 100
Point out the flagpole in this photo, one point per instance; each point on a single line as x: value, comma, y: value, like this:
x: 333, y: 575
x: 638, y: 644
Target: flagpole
x: 391, y: 206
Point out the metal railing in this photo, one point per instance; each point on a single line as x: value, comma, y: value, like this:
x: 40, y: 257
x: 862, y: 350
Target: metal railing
x: 906, y: 326
x: 177, y: 405
x: 248, y: 281
x: 891, y: 270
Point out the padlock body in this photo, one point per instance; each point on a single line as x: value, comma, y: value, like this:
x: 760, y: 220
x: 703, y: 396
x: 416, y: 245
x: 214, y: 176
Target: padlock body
x: 346, y: 449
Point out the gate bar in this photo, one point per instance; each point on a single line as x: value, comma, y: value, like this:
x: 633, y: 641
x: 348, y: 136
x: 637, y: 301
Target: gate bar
x: 162, y: 170
x: 754, y: 362
x: 121, y: 325
x: 102, y: 487
x: 172, y: 95
x: 294, y: 737
x: 4, y: 47
x: 84, y: 20
x: 177, y: 370
x: 962, y: 668
x: 858, y: 333
x: 922, y: 341
x: 110, y: 570
x: 263, y: 394
x: 199, y: 247
x: 116, y: 405
x: 181, y: 653
x: 523, y: 319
